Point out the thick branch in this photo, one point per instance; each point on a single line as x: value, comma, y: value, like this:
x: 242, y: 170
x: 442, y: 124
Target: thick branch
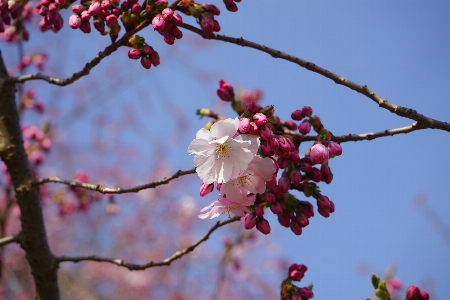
x: 363, y: 89
x: 108, y: 190
x: 9, y: 239
x: 33, y: 236
x: 87, y: 68
x: 137, y: 267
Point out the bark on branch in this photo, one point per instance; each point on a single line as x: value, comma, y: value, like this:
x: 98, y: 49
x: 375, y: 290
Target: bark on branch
x: 137, y: 267
x: 33, y: 238
x: 362, y: 89
x: 109, y: 190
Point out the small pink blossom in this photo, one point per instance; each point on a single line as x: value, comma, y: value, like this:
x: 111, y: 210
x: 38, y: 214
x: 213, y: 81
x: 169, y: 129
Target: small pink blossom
x: 334, y: 148
x: 158, y: 22
x: 225, y: 205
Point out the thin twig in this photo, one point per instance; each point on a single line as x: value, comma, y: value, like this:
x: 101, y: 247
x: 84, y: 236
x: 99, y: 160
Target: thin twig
x: 87, y: 68
x: 137, y: 267
x: 9, y: 239
x: 363, y: 89
x: 109, y: 190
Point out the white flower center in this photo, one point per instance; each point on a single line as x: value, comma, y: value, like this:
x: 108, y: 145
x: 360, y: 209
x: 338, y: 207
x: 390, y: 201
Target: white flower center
x: 223, y: 150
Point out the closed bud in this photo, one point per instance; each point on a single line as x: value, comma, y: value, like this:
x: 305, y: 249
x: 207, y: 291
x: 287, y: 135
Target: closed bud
x: 307, y: 111
x: 148, y: 50
x: 177, y: 19
x: 282, y: 162
x: 315, y: 175
x: 205, y: 189
x: 253, y: 128
x: 252, y: 108
x: 216, y: 27
x: 265, y: 132
x: 276, y: 208
x: 154, y: 57
x: 167, y: 14
x: 284, y: 220
x: 244, y: 125
x: 146, y: 62
x: 297, y: 115
x: 158, y: 22
x: 274, y: 144
x: 319, y: 154
x: 250, y: 221
x: 334, y: 148
x: 294, y: 157
x: 136, y: 8
x: 94, y: 9
x: 263, y: 225
x: 134, y: 54
x: 74, y: 21
x: 260, y: 119
x: 295, y: 177
x: 270, y: 197
x: 304, y: 127
x: 266, y: 149
x: 77, y: 8
x: 111, y: 20
x: 169, y: 38
x: 290, y: 125
x: 413, y: 293
x: 259, y: 211
x: 425, y: 295
x: 225, y: 91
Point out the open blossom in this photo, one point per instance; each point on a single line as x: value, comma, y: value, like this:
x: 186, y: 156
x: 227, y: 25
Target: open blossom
x: 220, y: 157
x: 253, y: 180
x: 227, y: 205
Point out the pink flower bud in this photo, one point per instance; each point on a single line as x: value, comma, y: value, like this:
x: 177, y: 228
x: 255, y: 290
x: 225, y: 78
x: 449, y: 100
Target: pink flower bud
x: 260, y: 119
x: 413, y: 293
x: 74, y: 21
x: 276, y: 208
x: 94, y: 9
x: 60, y: 2
x: 284, y: 220
x: 167, y: 14
x: 244, y: 125
x: 99, y: 25
x: 207, y: 23
x: 111, y: 20
x: 296, y: 228
x: 294, y: 157
x: 52, y: 16
x: 44, y: 2
x: 425, y: 295
x: 154, y: 57
x: 319, y: 154
x: 106, y: 4
x: 297, y: 115
x: 232, y: 7
x: 77, y: 8
x: 250, y: 221
x: 225, y: 91
x: 177, y: 19
x: 259, y: 211
x: 266, y: 149
x: 284, y: 183
x: 136, y: 8
x: 205, y: 189
x: 252, y: 108
x: 53, y: 7
x: 161, y: 2
x: 315, y: 175
x: 58, y: 24
x: 334, y: 148
x: 253, y: 128
x: 216, y: 27
x: 148, y: 50
x: 46, y: 144
x: 169, y: 38
x: 211, y: 8
x: 305, y: 167
x: 43, y: 10
x: 265, y: 133
x: 307, y: 111
x: 282, y: 163
x: 146, y: 62
x: 270, y: 197
x: 85, y: 16
x: 263, y: 226
x: 304, y: 127
x: 295, y: 177
x: 134, y: 54
x: 158, y: 22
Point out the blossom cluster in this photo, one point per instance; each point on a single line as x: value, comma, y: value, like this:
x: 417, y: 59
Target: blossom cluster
x: 143, y: 51
x: 104, y: 12
x: 244, y: 156
x: 13, y: 13
x: 166, y: 24
x: 289, y: 291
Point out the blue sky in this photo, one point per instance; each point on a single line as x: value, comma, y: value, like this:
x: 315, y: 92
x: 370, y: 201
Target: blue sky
x: 400, y: 49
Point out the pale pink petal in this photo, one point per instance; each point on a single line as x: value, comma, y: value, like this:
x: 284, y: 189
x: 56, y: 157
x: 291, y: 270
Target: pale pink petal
x: 226, y: 127
x: 204, y: 134
x: 262, y: 167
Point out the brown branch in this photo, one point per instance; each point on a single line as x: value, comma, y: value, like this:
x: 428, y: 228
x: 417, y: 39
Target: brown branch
x: 362, y: 89
x: 87, y: 68
x: 137, y: 267
x: 108, y: 190
x: 9, y: 239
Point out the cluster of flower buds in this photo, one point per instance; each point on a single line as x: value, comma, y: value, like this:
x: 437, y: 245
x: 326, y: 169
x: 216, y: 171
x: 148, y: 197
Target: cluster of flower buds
x: 166, y: 23
x: 291, y: 292
x: 38, y: 59
x: 103, y: 12
x: 10, y: 24
x: 230, y: 5
x: 204, y: 13
x: 51, y: 18
x: 36, y: 144
x: 414, y: 293
x: 143, y: 51
x: 28, y: 101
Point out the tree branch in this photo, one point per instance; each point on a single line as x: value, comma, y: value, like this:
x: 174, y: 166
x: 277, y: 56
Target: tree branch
x: 87, y: 68
x: 362, y: 89
x: 108, y: 190
x: 137, y: 267
x: 9, y: 239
